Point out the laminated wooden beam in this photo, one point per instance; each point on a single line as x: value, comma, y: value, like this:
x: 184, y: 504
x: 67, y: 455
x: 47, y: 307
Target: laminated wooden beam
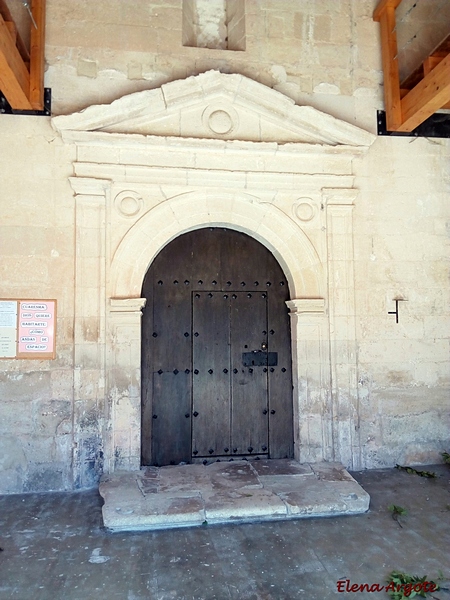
x: 37, y: 47
x: 392, y: 98
x: 382, y: 6
x: 431, y: 62
x: 12, y: 30
x: 428, y: 96
x: 14, y: 76
x: 7, y: 17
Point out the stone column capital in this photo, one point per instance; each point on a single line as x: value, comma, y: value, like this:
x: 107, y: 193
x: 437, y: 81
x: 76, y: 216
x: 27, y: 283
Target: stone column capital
x: 89, y: 186
x: 306, y: 305
x: 339, y: 196
x: 126, y: 305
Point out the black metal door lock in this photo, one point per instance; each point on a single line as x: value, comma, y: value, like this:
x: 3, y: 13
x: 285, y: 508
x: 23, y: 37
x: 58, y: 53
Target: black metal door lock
x: 259, y: 358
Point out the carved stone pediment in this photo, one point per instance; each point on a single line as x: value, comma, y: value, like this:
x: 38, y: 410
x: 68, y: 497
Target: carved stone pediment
x: 219, y: 106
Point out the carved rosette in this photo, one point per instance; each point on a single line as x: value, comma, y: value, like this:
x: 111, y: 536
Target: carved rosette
x: 304, y: 210
x: 128, y: 203
x: 220, y: 119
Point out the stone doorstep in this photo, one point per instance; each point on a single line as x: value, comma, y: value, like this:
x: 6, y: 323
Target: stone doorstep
x: 228, y: 492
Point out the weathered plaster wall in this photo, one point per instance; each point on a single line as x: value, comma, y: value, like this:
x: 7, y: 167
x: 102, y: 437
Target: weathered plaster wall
x: 402, y: 250
x: 319, y: 52
x: 36, y: 261
x: 323, y: 53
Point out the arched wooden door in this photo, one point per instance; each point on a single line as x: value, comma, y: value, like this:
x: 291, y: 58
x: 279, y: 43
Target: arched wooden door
x: 216, y: 352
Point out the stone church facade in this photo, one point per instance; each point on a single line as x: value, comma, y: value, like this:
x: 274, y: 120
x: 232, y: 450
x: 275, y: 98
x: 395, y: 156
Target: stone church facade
x: 153, y: 136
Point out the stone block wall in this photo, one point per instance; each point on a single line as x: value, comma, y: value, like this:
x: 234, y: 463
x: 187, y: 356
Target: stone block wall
x: 36, y: 261
x: 402, y: 251
x: 325, y: 54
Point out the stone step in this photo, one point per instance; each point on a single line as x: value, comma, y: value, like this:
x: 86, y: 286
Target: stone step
x: 228, y: 492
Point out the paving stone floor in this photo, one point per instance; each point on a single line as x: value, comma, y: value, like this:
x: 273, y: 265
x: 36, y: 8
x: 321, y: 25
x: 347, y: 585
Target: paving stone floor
x: 228, y: 492
x: 56, y: 548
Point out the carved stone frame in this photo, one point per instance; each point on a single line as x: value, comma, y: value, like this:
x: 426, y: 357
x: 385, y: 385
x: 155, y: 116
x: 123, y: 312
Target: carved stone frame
x: 136, y: 193
x: 322, y: 320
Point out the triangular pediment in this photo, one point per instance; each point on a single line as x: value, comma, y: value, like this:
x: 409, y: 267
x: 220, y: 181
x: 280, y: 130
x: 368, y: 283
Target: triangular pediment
x: 215, y: 105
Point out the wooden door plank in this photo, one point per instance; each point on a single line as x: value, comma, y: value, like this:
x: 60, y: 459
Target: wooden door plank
x: 14, y: 76
x: 211, y: 376
x: 170, y: 427
x: 171, y: 354
x: 250, y: 410
x: 391, y: 82
x: 37, y: 48
x: 428, y: 96
x: 166, y: 395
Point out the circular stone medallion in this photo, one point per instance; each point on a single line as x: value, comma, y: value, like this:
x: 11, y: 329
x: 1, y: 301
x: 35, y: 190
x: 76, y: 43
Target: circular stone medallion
x: 128, y: 203
x: 220, y: 122
x: 220, y: 119
x: 303, y: 209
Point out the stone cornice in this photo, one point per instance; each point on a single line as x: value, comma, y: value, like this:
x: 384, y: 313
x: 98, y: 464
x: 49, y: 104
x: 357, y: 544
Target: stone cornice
x: 217, y: 106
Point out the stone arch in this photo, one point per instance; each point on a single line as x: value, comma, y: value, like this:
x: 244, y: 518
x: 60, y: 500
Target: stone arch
x: 240, y: 211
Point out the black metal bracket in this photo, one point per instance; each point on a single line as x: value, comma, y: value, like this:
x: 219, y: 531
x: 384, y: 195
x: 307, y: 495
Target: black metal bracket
x: 395, y: 312
x: 438, y: 126
x: 5, y: 107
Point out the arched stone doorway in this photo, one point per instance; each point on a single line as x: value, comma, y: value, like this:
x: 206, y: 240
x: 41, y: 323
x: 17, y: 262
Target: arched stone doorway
x: 216, y: 351
x: 284, y: 176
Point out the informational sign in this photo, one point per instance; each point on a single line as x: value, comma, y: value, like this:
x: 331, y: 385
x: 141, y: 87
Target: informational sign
x: 8, y: 328
x: 27, y: 329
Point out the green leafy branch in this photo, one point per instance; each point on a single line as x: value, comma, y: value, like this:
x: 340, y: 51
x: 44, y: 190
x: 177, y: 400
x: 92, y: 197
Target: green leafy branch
x: 397, y: 511
x: 428, y: 474
x: 401, y: 586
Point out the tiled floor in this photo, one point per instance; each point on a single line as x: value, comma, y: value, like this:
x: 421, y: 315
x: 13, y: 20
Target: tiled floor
x: 56, y: 548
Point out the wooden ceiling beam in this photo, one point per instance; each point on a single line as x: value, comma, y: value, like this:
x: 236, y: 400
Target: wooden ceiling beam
x: 22, y: 73
x: 428, y: 96
x: 382, y: 6
x: 390, y: 69
x: 7, y: 17
x: 37, y: 46
x: 407, y: 108
x: 431, y: 62
x: 14, y: 75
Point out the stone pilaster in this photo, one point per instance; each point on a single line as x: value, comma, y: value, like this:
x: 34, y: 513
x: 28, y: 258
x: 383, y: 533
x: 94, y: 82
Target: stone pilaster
x: 311, y: 378
x: 341, y: 301
x: 124, y: 384
x: 89, y: 329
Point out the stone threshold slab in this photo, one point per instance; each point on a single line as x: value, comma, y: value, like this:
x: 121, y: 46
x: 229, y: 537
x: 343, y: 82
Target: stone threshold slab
x: 228, y: 492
